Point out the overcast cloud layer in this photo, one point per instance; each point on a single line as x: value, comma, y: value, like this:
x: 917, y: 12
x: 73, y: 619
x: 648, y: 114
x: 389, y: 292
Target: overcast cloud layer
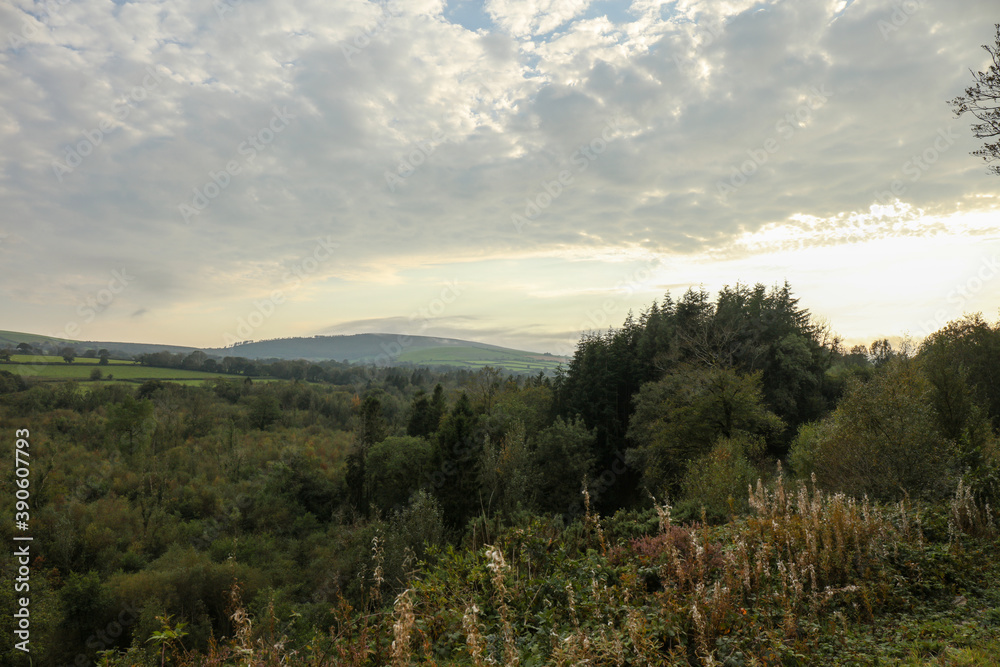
x: 511, y: 171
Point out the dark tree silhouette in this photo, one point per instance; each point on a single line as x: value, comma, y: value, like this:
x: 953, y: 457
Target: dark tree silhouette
x: 982, y: 100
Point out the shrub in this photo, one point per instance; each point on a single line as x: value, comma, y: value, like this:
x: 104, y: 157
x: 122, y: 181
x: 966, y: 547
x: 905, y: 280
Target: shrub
x: 883, y: 439
x: 718, y: 480
x: 395, y: 468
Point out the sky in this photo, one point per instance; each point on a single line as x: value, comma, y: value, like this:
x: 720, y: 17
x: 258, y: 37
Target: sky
x: 511, y: 171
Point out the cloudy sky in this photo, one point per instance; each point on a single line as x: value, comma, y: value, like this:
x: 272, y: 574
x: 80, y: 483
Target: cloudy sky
x: 511, y: 171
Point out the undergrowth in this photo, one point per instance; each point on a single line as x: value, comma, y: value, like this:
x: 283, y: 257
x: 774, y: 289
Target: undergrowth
x: 807, y: 578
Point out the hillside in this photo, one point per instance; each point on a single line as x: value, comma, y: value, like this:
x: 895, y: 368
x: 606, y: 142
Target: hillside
x: 117, y: 349
x: 376, y: 348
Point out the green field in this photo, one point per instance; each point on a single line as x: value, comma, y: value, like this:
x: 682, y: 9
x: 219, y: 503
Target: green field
x: 121, y: 371
x: 473, y: 357
x: 41, y: 359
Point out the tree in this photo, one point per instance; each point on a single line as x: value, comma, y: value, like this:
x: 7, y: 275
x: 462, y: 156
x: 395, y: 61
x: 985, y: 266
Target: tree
x: 748, y: 329
x: 194, y: 360
x: 982, y: 100
x: 25, y: 348
x: 395, y: 468
x: 970, y: 346
x: 68, y: 354
x: 564, y: 458
x: 458, y: 446
x: 884, y: 439
x: 96, y: 374
x: 5, y: 354
x: 130, y: 421
x: 881, y: 352
x: 264, y: 411
x: 486, y: 386
x: 679, y: 418
x: 372, y: 427
x: 426, y: 413
x: 507, y: 475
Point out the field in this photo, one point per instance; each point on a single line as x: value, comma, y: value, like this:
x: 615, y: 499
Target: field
x: 472, y: 357
x: 38, y: 359
x: 120, y: 371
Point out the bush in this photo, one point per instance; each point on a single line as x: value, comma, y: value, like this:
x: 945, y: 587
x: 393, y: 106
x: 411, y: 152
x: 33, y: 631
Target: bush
x: 186, y: 584
x: 718, y: 480
x: 395, y: 468
x: 882, y: 440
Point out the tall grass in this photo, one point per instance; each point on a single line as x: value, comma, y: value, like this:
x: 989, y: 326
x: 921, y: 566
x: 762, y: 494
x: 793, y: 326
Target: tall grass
x: 791, y: 583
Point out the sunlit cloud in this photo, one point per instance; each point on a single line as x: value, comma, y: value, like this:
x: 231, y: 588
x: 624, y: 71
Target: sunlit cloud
x: 412, y: 135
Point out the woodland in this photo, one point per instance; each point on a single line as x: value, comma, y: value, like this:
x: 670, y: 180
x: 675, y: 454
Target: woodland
x: 716, y: 481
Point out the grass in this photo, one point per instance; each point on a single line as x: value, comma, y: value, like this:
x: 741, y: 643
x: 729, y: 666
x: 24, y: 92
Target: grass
x: 984, y: 653
x: 12, y: 338
x: 126, y: 371
x: 42, y: 359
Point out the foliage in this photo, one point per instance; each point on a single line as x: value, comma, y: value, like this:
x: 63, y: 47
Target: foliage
x: 714, y: 484
x: 414, y: 517
x: 962, y: 360
x: 681, y: 417
x: 395, y: 468
x: 982, y: 100
x: 566, y: 446
x: 883, y: 439
x: 747, y: 329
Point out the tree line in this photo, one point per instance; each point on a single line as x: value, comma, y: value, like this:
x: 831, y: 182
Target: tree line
x: 159, y: 495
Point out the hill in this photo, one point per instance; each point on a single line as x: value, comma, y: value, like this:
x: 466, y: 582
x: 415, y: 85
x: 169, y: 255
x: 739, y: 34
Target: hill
x: 118, y: 350
x: 393, y: 348
x: 382, y: 349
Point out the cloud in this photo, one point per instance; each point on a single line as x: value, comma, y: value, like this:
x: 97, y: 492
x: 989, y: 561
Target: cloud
x: 525, y: 18
x: 469, y: 127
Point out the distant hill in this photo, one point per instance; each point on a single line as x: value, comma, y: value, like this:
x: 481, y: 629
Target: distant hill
x: 375, y: 348
x: 117, y: 350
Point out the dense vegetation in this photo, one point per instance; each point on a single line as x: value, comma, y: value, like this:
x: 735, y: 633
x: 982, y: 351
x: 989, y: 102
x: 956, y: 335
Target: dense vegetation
x: 364, y: 516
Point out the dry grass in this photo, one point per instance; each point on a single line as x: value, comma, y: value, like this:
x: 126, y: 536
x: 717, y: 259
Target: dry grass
x: 804, y: 570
